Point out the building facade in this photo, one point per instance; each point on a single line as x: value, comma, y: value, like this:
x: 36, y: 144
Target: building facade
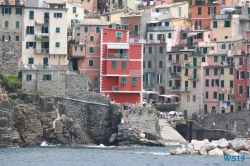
x: 121, y: 66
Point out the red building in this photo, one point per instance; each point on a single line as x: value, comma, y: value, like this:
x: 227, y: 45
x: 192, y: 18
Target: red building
x: 121, y: 66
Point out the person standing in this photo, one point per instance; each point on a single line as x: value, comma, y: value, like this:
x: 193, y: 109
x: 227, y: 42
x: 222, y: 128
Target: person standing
x: 213, y: 125
x: 226, y: 125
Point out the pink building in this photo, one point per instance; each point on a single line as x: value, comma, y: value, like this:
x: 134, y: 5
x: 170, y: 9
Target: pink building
x: 85, y: 55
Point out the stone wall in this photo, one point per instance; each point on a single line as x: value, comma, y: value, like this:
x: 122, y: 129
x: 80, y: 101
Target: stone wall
x: 239, y: 122
x: 10, y: 63
x: 144, y: 118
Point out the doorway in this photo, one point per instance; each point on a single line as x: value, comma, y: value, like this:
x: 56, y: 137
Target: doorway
x: 75, y: 64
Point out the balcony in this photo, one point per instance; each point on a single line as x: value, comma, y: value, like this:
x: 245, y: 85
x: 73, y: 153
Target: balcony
x: 196, y: 53
x: 44, y: 67
x: 221, y: 16
x: 199, y: 2
x: 42, y: 36
x: 175, y: 75
x: 44, y: 21
x: 74, y: 26
x: 147, y: 84
x: 42, y: 51
x: 159, y: 28
x: 117, y: 56
x: 175, y: 88
x: 175, y: 62
x: 115, y: 88
x: 13, y: 2
x: 244, y: 16
x: 191, y: 64
x: 222, y: 51
x: 194, y: 77
x: 135, y: 73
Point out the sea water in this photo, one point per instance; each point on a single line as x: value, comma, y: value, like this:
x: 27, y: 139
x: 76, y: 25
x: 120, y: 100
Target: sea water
x: 106, y: 156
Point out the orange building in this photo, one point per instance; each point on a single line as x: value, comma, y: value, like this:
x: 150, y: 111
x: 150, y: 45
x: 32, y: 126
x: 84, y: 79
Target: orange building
x: 202, y: 10
x: 121, y: 66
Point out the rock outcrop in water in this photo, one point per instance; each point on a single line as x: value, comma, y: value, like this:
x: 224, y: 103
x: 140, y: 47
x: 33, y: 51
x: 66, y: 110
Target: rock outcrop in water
x: 220, y: 147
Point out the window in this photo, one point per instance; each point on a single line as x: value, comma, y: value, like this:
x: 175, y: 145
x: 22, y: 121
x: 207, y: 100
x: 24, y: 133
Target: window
x: 75, y: 48
x: 81, y: 48
x: 143, y: 64
x: 203, y: 59
x: 86, y: 29
x: 126, y: 27
x: 199, y: 10
x: 226, y: 37
x: 47, y: 77
x: 207, y: 83
x: 31, y: 61
x: 57, y: 44
x: 169, y: 35
x: 231, y: 108
x: 227, y: 24
x: 194, y: 98
x: 123, y: 81
x: 11, y: 51
x: 114, y: 65
x: 28, y: 77
x: 241, y: 90
x: 205, y: 109
x: 160, y: 64
x: 161, y: 50
x: 150, y: 36
x: 185, y: 56
x: 207, y: 72
x: 188, y: 98
x: 149, y: 64
x: 17, y: 38
x: 18, y: 10
x: 221, y: 97
x: 30, y: 45
x: 240, y: 75
x: 170, y: 83
x: 231, y: 71
x: 204, y: 50
x: 211, y: 10
x: 206, y: 95
x: 179, y: 11
x: 31, y: 15
x: 57, y: 30
x: 6, y: 10
x: 223, y: 46
x: 223, y: 58
x: 118, y: 35
x: 194, y: 84
x: 222, y: 71
x: 144, y: 50
x: 91, y: 38
x: 240, y: 61
x: 186, y: 72
x: 150, y: 50
x: 74, y: 9
x: 136, y: 28
x: 134, y: 81
x: 91, y: 50
x: 57, y: 15
x: 91, y: 62
x: 123, y: 65
x: 208, y: 36
x: 170, y: 57
x: 231, y: 83
x: 30, y: 30
x: 215, y: 72
x: 166, y: 24
x: 215, y: 24
x: 215, y: 95
x: 215, y: 58
x: 97, y: 30
x: 6, y: 24
x: 17, y: 24
x: 222, y: 83
x: 159, y: 78
x: 215, y: 82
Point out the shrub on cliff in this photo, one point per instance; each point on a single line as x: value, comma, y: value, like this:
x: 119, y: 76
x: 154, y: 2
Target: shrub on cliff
x: 11, y: 81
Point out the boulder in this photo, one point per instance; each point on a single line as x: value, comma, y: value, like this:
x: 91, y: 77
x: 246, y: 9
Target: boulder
x: 209, y: 146
x: 195, y: 152
x: 182, y: 151
x: 247, y: 145
x: 193, y: 141
x: 190, y: 148
x: 206, y: 141
x: 223, y: 144
x: 222, y: 139
x: 237, y: 144
x: 198, y: 144
x: 112, y: 138
x: 230, y: 152
x: 203, y: 151
x: 173, y: 151
x: 215, y: 152
x: 244, y: 153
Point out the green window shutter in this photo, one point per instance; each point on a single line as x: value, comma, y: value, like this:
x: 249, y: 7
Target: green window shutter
x: 215, y: 58
x: 223, y: 58
x: 44, y: 77
x: 97, y: 30
x: 186, y: 72
x: 57, y: 30
x: 17, y: 24
x: 32, y: 30
x: 60, y: 15
x: 185, y: 56
x: 34, y: 45
x: 49, y: 77
x: 160, y: 64
x: 215, y: 95
x: 118, y: 35
x: 91, y: 38
x: 54, y: 15
x: 222, y: 83
x: 143, y: 77
x: 114, y: 65
x: 75, y: 48
x: 170, y: 69
x: 123, y: 65
x: 144, y: 50
x: 31, y: 15
x: 81, y: 48
x: 27, y: 77
x: 123, y: 81
x: 27, y: 45
x: 158, y: 37
x: 74, y: 9
x: 203, y: 59
x: 161, y: 50
x: 207, y: 83
x: 215, y: 71
x: 208, y: 10
x: 199, y: 10
x: 170, y: 83
x: 31, y: 60
x: 10, y: 11
x: 160, y: 78
x: 179, y: 11
x: 169, y: 35
x: 3, y: 10
x: 240, y: 89
x: 170, y: 57
x: 6, y: 24
x: 86, y: 29
x: 150, y: 36
x: 207, y: 72
x: 134, y: 81
x: 143, y: 64
x: 231, y: 71
x: 157, y: 78
x: 231, y: 83
x: 17, y: 38
x: 222, y: 71
x: 91, y: 63
x: 91, y: 49
x: 204, y: 50
x: 150, y: 50
x: 149, y: 64
x: 223, y: 46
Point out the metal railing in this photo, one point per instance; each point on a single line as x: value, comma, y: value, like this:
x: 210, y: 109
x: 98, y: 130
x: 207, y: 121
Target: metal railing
x: 191, y: 64
x: 115, y: 88
x: 147, y: 84
x: 42, y: 21
x: 196, y: 53
x: 74, y: 25
x: 159, y: 28
x: 42, y: 51
x: 44, y: 67
x: 175, y: 75
x: 221, y: 16
x: 117, y: 56
x: 42, y: 36
x: 193, y: 77
x: 135, y: 73
x: 176, y: 61
x: 244, y: 16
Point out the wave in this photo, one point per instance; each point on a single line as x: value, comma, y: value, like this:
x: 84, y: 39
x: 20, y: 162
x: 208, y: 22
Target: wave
x: 45, y: 144
x: 159, y: 153
x: 172, y: 144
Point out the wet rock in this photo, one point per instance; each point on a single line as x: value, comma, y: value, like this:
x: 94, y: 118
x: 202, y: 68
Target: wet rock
x: 230, y: 152
x: 247, y: 145
x: 237, y: 144
x: 198, y: 144
x: 173, y: 151
x: 244, y: 153
x: 190, y: 148
x: 209, y: 146
x: 215, y: 152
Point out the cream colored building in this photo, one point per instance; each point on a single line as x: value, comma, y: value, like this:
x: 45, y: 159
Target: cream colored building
x: 112, y: 17
x: 44, y: 37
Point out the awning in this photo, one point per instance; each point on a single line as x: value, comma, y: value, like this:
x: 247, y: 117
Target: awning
x: 169, y: 96
x: 153, y: 21
x: 118, y: 46
x: 192, y: 34
x: 227, y: 10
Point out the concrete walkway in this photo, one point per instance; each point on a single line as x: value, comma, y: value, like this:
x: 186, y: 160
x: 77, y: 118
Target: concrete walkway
x: 169, y: 134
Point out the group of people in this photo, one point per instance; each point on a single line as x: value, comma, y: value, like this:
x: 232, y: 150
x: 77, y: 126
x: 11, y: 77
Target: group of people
x: 95, y: 90
x: 3, y: 96
x: 126, y: 105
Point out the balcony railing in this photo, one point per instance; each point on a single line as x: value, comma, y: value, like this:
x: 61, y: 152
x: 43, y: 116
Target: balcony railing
x: 199, y: 2
x: 159, y: 28
x: 175, y: 75
x: 221, y: 16
x: 191, y: 64
x: 244, y: 16
x: 194, y: 77
x: 117, y: 56
x: 222, y: 51
x: 147, y: 84
x: 42, y: 51
x: 175, y: 62
x: 115, y: 88
x: 73, y: 26
x: 44, y: 21
x: 44, y: 67
x: 42, y: 36
x: 135, y: 73
x: 175, y: 88
x: 196, y: 53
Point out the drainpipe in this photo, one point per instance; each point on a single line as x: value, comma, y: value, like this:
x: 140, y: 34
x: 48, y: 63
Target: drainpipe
x: 155, y: 68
